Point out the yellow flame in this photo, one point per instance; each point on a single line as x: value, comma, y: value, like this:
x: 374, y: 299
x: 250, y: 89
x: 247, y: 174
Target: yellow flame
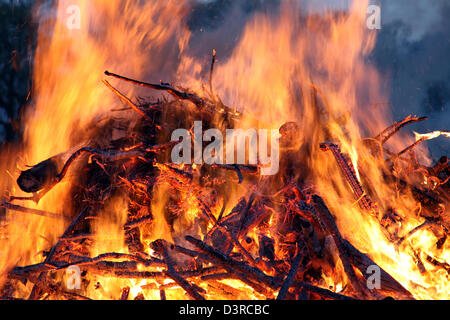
x: 431, y: 135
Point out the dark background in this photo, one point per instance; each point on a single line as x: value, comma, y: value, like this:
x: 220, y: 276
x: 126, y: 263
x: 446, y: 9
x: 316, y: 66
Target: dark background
x: 18, y: 35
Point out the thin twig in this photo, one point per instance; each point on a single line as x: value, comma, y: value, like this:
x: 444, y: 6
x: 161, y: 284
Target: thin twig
x: 408, y: 148
x: 38, y: 212
x: 211, y: 72
x: 387, y: 133
x: 126, y: 100
x: 199, y: 102
x: 414, y: 230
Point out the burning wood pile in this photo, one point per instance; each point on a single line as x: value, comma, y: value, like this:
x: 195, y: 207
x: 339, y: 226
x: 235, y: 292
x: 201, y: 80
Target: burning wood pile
x: 279, y: 240
x: 120, y: 201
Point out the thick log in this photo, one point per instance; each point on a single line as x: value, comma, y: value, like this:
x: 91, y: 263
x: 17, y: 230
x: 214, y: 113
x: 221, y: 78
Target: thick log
x: 324, y: 214
x: 388, y: 283
x: 45, y: 175
x: 290, y: 277
x: 40, y: 175
x: 128, y: 271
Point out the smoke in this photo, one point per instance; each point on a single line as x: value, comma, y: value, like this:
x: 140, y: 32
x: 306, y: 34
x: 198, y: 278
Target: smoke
x: 418, y: 18
x: 411, y: 52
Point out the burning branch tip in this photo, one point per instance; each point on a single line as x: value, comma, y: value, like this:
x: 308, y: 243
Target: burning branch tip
x: 126, y: 100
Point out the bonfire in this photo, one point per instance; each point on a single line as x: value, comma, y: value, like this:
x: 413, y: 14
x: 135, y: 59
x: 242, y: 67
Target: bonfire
x: 96, y: 208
